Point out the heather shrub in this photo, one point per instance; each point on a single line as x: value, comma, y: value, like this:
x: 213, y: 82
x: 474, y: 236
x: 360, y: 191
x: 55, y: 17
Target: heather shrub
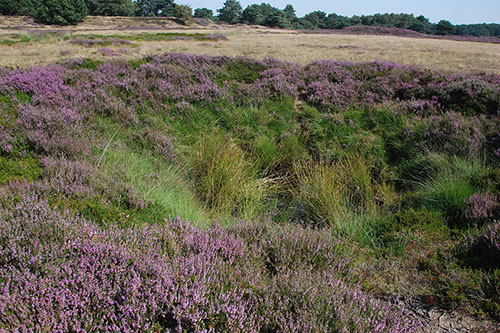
x: 225, y: 180
x: 159, y: 142
x: 69, y: 177
x: 66, y: 273
x: 107, y: 52
x: 484, y: 249
x: 481, y: 206
x: 81, y: 187
x: 474, y: 95
x: 52, y: 130
x: 122, y: 144
x: 450, y: 133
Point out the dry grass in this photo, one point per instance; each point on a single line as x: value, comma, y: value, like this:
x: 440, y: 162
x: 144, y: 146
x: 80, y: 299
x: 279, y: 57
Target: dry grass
x: 254, y: 42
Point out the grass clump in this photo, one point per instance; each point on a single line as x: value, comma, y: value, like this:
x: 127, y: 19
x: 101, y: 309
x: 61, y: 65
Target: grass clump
x: 452, y: 182
x: 331, y: 192
x: 225, y: 179
x: 161, y: 185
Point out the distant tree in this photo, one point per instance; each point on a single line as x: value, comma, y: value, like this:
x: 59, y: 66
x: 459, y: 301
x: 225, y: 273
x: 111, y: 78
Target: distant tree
x: 204, y: 13
x: 17, y: 7
x: 334, y: 21
x: 276, y: 19
x: 444, y: 28
x: 60, y: 12
x: 289, y: 13
x: 155, y: 7
x: 111, y: 7
x: 355, y: 20
x: 230, y: 12
x: 184, y: 13
x: 483, y: 29
x: 253, y: 15
x: 265, y: 14
x: 317, y: 19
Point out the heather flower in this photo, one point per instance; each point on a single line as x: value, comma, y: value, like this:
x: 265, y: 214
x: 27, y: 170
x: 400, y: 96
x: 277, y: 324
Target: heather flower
x: 67, y: 273
x: 483, y: 250
x: 107, y: 52
x: 480, y: 206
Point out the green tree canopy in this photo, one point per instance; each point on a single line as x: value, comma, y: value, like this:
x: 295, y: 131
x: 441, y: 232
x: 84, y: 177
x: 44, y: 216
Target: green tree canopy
x: 230, y: 12
x: 444, y: 28
x: 17, y: 7
x: 60, y: 12
x: 204, y: 13
x: 155, y: 7
x: 184, y: 13
x: 111, y: 7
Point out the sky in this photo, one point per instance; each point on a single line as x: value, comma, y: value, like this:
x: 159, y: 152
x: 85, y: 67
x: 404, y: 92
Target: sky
x: 455, y: 11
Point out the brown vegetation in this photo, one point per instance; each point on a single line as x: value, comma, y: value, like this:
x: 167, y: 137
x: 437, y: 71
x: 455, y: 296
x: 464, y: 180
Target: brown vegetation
x: 249, y: 41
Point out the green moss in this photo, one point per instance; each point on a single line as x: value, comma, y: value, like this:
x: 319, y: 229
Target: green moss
x: 27, y: 168
x: 96, y: 209
x: 241, y: 71
x: 5, y: 99
x: 23, y: 97
x: 87, y: 63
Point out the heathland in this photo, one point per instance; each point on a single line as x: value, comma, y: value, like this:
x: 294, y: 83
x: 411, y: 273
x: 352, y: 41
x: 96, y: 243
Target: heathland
x: 158, y: 178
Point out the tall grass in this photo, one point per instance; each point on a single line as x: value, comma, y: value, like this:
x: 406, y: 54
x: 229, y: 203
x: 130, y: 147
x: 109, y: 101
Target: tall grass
x: 453, y: 180
x: 163, y: 186
x: 226, y: 180
x: 332, y: 193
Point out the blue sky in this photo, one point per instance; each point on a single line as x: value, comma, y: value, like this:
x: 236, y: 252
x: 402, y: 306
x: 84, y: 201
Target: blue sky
x: 456, y: 11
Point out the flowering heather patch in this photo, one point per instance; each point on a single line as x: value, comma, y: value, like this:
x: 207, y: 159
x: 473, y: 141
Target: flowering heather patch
x: 161, y: 143
x: 89, y: 42
x: 484, y: 249
x: 481, y: 206
x: 65, y: 273
x: 453, y: 132
x: 92, y: 137
x: 107, y: 52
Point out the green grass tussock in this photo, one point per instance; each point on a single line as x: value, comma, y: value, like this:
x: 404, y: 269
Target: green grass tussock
x: 226, y: 180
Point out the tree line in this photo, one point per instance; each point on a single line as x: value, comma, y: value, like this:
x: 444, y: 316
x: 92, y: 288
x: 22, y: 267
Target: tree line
x: 73, y: 11
x: 68, y: 12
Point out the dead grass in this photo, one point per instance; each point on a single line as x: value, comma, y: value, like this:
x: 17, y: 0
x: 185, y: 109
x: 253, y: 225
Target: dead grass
x: 256, y: 42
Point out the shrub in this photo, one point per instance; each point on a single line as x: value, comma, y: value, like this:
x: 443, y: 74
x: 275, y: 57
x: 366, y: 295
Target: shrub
x: 471, y: 96
x: 481, y: 206
x: 60, y: 12
x: 17, y: 7
x: 450, y: 133
x: 67, y: 273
